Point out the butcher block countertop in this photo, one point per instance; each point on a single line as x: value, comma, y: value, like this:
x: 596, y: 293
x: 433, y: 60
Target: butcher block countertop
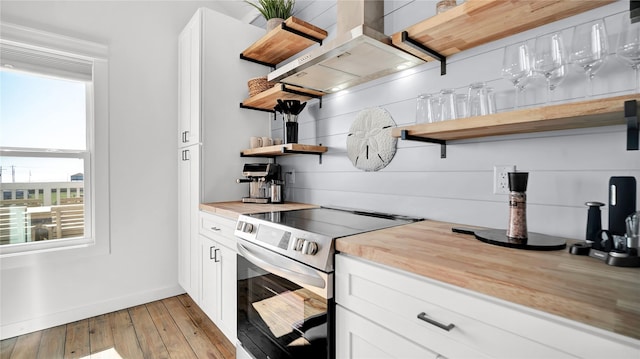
x: 235, y: 208
x: 580, y: 288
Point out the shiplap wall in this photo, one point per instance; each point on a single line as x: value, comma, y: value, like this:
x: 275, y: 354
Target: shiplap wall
x: 567, y: 168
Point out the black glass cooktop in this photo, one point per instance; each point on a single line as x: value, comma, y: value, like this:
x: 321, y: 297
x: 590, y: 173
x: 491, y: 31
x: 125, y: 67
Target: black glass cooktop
x: 334, y: 222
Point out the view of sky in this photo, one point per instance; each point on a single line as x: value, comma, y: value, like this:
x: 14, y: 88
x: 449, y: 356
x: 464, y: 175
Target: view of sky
x: 44, y: 113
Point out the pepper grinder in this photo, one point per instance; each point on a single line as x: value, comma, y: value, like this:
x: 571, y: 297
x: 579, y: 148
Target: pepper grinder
x: 594, y: 221
x: 517, y: 230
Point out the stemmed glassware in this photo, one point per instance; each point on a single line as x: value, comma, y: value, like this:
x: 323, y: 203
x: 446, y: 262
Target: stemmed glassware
x: 589, y: 49
x: 557, y: 77
x: 628, y: 47
x: 549, y: 60
x: 516, y: 67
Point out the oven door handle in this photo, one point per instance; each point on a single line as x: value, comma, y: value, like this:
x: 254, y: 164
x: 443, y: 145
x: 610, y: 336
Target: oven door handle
x: 309, y: 278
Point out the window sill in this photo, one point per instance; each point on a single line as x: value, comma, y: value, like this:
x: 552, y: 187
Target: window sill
x: 23, y: 255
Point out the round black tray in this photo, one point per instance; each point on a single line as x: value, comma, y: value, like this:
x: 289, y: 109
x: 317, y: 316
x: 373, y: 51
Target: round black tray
x: 498, y: 237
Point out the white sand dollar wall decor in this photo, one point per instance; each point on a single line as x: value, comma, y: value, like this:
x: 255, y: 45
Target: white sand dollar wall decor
x: 370, y: 146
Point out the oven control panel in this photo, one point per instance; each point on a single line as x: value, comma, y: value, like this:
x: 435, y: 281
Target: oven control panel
x: 306, y: 247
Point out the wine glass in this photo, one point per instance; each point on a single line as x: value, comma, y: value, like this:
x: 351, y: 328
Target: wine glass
x: 549, y: 60
x: 589, y: 49
x: 557, y: 77
x: 628, y: 48
x: 516, y: 67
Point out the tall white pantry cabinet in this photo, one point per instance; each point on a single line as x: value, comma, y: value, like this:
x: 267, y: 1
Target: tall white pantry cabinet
x: 212, y: 131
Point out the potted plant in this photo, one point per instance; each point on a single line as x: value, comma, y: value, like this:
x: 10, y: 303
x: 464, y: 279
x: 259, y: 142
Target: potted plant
x: 274, y: 11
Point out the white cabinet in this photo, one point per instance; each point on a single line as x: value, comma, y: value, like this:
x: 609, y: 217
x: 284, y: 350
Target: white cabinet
x: 189, y: 158
x: 188, y: 201
x: 453, y: 322
x: 219, y: 290
x: 212, y: 128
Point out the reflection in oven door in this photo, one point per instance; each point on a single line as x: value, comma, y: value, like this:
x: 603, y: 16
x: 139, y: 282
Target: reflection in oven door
x: 280, y: 319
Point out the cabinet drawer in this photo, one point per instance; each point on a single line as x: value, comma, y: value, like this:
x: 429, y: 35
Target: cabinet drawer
x: 219, y: 228
x: 396, y: 299
x: 359, y: 338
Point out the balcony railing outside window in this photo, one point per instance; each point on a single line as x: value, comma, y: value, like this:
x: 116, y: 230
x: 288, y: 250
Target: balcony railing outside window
x: 41, y: 211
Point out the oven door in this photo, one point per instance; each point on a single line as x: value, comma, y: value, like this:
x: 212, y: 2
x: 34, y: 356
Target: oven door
x: 285, y: 308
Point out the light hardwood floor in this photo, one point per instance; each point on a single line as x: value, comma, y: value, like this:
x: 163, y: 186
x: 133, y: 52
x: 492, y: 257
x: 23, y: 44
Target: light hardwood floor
x: 170, y: 328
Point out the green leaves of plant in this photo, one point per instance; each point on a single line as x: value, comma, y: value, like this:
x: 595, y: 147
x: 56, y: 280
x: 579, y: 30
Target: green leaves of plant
x: 274, y: 8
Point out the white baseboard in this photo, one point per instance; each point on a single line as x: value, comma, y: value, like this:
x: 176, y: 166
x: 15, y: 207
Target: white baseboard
x: 10, y: 330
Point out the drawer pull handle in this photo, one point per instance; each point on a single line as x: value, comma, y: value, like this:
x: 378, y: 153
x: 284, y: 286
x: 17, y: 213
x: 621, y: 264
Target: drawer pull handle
x: 423, y: 316
x: 215, y: 229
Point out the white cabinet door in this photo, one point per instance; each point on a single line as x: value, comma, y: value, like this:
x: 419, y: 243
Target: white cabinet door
x: 189, y: 62
x: 219, y: 286
x: 210, y: 302
x: 359, y: 338
x: 227, y: 272
x: 188, y: 199
x: 184, y: 233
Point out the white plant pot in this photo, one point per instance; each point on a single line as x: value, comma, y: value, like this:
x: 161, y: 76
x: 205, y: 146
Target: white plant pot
x: 273, y: 23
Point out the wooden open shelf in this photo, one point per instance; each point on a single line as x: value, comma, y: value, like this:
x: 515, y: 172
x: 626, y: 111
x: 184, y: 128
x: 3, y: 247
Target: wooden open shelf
x: 268, y: 99
x: 283, y: 42
x: 289, y: 148
x: 476, y: 22
x: 583, y: 114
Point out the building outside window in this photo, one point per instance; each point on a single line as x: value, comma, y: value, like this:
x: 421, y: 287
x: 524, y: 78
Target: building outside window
x: 49, y: 88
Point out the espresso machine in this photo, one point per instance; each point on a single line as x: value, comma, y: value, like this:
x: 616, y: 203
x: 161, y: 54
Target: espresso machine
x: 263, y: 178
x: 619, y: 245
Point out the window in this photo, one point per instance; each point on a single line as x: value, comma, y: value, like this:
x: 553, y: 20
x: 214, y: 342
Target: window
x: 53, y: 139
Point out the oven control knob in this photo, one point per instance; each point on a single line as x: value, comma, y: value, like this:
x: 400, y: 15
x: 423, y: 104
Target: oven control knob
x: 310, y: 248
x: 247, y: 227
x: 298, y: 243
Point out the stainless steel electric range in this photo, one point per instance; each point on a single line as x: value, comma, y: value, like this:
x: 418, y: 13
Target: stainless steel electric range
x: 285, y: 278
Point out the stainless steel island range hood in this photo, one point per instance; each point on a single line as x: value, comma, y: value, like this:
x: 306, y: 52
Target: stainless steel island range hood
x: 360, y: 52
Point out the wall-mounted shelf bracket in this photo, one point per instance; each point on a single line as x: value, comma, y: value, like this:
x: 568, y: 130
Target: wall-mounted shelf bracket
x: 272, y: 157
x: 427, y: 50
x: 404, y: 134
x: 633, y: 132
x: 286, y: 151
x: 273, y: 66
x: 257, y: 108
x: 301, y: 93
x: 300, y: 33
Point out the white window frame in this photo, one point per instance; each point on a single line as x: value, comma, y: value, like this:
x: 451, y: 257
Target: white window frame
x: 96, y: 176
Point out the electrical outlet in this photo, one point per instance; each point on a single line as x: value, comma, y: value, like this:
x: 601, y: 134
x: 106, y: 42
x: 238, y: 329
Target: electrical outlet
x: 292, y: 176
x: 501, y: 178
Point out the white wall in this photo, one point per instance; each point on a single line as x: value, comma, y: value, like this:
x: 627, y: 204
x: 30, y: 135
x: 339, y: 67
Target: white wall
x: 142, y: 266
x: 567, y: 168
